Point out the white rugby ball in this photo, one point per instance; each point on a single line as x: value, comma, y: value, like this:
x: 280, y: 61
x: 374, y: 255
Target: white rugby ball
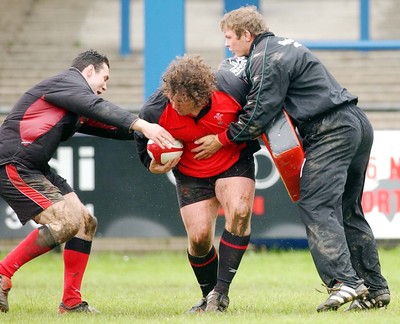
x: 163, y: 155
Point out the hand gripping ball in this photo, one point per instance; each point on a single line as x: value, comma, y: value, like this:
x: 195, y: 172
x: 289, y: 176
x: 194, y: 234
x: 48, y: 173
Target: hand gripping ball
x: 163, y: 155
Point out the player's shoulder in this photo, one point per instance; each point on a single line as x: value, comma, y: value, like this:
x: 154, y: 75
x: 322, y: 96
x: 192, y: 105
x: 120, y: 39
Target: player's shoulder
x: 231, y: 78
x: 232, y: 65
x: 156, y: 100
x: 154, y: 106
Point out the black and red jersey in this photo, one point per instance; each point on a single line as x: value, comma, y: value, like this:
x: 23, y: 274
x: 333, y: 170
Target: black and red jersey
x: 222, y: 109
x: 51, y: 112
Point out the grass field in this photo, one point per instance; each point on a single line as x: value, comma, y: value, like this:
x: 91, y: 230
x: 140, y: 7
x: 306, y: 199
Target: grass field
x: 270, y: 287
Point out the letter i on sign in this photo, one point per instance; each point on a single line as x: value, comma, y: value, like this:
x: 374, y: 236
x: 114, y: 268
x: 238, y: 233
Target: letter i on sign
x: 63, y: 165
x: 86, y: 168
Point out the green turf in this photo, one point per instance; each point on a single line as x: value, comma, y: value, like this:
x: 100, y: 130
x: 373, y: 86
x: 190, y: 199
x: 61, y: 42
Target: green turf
x: 270, y: 287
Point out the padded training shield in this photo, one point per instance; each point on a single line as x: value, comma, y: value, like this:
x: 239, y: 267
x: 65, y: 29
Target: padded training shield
x: 284, y: 145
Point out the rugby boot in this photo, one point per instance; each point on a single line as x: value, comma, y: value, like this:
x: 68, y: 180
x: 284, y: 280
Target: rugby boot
x: 83, y: 307
x: 341, y: 294
x: 199, y: 307
x: 376, y: 299
x: 217, y: 302
x: 5, y: 286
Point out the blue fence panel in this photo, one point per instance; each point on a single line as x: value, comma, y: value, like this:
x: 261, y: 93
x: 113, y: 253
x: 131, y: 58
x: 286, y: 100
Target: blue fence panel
x: 125, y: 48
x: 164, y: 38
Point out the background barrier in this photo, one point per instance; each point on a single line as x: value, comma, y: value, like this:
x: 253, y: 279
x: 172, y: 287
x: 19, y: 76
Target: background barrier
x: 129, y: 201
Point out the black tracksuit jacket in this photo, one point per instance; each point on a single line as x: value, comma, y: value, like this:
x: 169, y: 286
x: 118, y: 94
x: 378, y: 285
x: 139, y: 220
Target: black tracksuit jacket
x: 51, y: 112
x: 283, y: 73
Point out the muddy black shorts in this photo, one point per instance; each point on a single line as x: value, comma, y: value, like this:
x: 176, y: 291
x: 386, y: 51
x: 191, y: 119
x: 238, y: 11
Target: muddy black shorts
x: 190, y: 190
x: 29, y: 192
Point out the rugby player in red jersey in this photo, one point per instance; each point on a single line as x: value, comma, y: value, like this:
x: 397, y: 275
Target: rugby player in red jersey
x: 194, y: 102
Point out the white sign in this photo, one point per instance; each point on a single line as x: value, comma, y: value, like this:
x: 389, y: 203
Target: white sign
x: 381, y: 199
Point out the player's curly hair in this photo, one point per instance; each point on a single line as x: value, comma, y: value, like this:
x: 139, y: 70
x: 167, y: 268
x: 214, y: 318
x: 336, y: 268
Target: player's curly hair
x: 189, y: 77
x: 242, y: 19
x: 88, y: 57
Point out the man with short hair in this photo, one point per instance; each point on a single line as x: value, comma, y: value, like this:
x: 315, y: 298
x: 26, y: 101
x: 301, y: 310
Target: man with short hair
x: 337, y: 139
x: 47, y: 114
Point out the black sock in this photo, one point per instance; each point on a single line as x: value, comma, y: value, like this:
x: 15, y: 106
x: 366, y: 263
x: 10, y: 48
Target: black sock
x: 205, y: 270
x: 231, y: 250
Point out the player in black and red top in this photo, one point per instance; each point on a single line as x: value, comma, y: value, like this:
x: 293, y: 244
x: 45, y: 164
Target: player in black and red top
x: 192, y: 103
x: 49, y: 113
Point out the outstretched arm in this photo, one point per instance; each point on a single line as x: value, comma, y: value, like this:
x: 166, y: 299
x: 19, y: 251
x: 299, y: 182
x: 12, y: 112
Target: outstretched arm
x: 154, y: 132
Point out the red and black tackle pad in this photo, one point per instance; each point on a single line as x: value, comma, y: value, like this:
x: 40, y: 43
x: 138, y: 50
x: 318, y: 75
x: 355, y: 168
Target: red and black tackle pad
x: 286, y: 150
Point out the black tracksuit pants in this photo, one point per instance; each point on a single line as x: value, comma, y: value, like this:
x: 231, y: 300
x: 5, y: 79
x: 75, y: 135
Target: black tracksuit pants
x: 337, y: 149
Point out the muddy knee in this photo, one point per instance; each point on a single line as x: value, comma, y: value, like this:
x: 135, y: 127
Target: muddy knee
x: 90, y: 224
x: 46, y: 237
x: 239, y: 223
x: 63, y: 231
x: 200, y: 245
x: 63, y: 222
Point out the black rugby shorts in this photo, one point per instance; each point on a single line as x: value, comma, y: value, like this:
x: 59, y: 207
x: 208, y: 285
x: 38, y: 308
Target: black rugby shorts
x: 28, y: 191
x: 190, y: 190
